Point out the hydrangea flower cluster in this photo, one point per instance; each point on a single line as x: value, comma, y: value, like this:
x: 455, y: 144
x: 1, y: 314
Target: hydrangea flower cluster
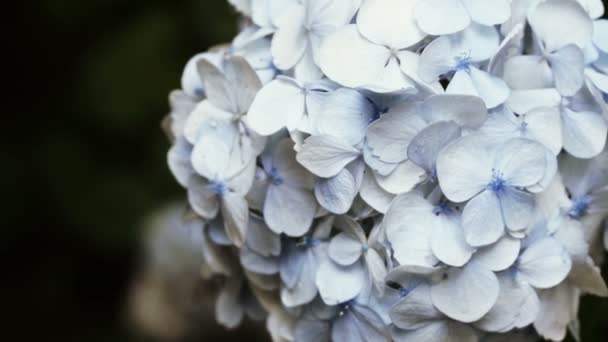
x: 407, y: 170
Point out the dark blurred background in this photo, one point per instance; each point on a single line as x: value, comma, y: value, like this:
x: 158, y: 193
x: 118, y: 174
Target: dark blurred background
x: 84, y: 159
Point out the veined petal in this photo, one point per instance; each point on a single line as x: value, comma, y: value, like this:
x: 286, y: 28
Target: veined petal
x: 346, y: 50
x: 289, y: 210
x: 326, y: 156
x: 561, y: 22
x: 493, y: 90
x: 466, y: 294
x: 336, y: 194
x: 350, y: 281
x: 499, y: 256
x: 290, y: 41
x: 568, y: 66
x: 389, y: 23
x: 464, y: 168
x: 584, y: 133
x: 278, y: 104
x: 521, y: 162
x: 482, y: 220
x: 438, y: 17
x: 488, y: 12
x: 544, y: 264
x: 448, y: 242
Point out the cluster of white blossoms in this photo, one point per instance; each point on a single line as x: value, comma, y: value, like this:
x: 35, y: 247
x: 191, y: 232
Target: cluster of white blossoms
x: 407, y: 170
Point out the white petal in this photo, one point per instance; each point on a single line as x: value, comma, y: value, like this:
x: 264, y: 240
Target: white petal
x: 218, y: 89
x: 544, y: 264
x: 377, y: 269
x: 290, y: 41
x: 448, y: 243
x: 203, y: 201
x: 464, y: 168
x: 390, y: 135
x: 191, y: 82
x: 479, y: 42
x: 499, y: 256
x: 324, y: 15
x: 289, y: 210
x: 517, y: 208
x: 493, y: 90
x: 588, y: 277
x: 523, y: 101
x: 178, y: 159
x: 389, y: 23
x: 336, y: 194
x: 462, y: 84
x: 561, y: 22
x: 373, y: 194
x: 435, y: 60
x: 482, y: 220
x: 488, y: 12
x: 467, y: 111
x: 344, y: 249
x: 439, y: 17
x: 521, y: 161
x: 280, y: 102
x: 545, y: 125
x: 559, y: 307
x: 202, y: 117
x: 466, y: 294
x: 235, y: 213
x: 244, y: 81
x: 505, y: 313
x: 392, y: 79
x: 584, y: 133
x: 408, y: 230
x: 338, y: 284
x: 600, y: 34
x: 415, y: 310
x: 568, y: 64
x: 287, y: 167
x: 425, y: 147
x: 305, y: 289
x: 347, y: 50
x: 403, y: 179
x: 346, y: 114
x: 528, y: 72
x: 228, y: 309
x: 326, y: 156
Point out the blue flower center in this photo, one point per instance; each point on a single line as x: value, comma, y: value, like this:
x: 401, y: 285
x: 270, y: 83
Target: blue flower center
x: 462, y: 62
x: 442, y: 208
x: 403, y: 292
x: 217, y: 187
x: 308, y: 242
x: 580, y: 206
x: 498, y: 183
x: 274, y: 176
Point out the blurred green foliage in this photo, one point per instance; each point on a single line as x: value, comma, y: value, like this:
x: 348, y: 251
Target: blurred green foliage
x: 86, y: 156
